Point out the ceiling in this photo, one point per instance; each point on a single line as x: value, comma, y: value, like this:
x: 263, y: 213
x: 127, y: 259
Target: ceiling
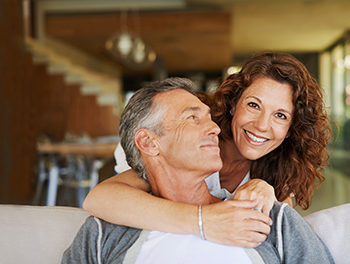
x: 198, y: 35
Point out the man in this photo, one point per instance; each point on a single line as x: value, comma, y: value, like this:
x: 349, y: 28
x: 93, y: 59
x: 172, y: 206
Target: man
x: 170, y: 140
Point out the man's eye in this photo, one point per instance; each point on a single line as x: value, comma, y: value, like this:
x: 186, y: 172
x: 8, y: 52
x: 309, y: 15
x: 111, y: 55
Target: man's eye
x: 282, y: 116
x: 253, y: 105
x: 192, y: 117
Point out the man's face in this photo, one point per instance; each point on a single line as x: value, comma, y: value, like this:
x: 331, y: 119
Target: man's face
x: 189, y: 140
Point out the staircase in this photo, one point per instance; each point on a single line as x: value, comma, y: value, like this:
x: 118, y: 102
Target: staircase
x: 61, y: 59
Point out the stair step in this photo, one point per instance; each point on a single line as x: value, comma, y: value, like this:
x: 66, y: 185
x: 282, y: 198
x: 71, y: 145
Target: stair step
x: 107, y: 99
x: 90, y: 89
x: 72, y: 79
x: 56, y: 68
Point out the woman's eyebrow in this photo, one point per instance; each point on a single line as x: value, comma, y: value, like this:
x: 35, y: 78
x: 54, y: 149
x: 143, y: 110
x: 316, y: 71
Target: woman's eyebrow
x: 284, y: 110
x: 258, y: 99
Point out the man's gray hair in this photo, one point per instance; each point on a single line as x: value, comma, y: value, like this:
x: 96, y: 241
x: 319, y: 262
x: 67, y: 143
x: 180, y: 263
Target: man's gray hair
x: 141, y: 113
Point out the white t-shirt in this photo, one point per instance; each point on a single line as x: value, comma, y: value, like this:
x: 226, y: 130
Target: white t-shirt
x: 120, y: 160
x: 161, y: 247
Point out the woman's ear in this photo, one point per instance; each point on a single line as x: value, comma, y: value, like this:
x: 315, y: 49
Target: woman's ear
x: 288, y: 134
x: 146, y: 142
x: 232, y: 110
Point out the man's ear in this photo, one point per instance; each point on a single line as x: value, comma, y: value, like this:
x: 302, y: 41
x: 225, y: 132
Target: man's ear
x: 146, y: 142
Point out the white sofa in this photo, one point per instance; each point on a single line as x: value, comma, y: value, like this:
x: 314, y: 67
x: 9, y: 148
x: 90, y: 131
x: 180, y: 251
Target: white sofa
x: 39, y: 234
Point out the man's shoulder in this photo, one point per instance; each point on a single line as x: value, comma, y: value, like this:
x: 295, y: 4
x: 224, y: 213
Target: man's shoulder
x: 98, y: 239
x: 99, y: 226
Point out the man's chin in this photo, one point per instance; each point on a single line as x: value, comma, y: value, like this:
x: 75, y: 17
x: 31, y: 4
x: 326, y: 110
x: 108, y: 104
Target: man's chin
x: 216, y: 167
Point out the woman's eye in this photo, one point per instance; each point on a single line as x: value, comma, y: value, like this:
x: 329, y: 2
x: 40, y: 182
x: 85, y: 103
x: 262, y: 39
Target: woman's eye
x: 282, y: 116
x: 254, y: 105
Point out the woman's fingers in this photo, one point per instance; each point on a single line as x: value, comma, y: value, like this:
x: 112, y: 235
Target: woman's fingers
x: 235, y: 223
x: 259, y: 190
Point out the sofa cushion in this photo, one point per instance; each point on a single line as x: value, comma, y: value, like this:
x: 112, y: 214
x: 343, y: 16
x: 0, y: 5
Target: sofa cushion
x: 37, y: 234
x: 333, y: 227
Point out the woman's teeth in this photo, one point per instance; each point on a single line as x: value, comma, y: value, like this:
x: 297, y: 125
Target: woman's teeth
x: 254, y: 138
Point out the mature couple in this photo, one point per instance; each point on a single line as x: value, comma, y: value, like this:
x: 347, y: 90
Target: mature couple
x: 170, y: 140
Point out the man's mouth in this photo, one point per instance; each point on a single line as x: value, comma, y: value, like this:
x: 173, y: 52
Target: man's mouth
x: 210, y: 145
x: 255, y: 138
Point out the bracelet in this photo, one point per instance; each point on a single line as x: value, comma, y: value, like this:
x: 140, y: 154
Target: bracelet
x: 200, y: 222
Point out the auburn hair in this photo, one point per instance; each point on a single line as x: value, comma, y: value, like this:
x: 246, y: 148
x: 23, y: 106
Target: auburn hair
x: 297, y: 165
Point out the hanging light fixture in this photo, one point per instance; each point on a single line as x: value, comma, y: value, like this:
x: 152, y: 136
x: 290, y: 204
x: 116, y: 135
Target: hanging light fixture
x: 129, y: 48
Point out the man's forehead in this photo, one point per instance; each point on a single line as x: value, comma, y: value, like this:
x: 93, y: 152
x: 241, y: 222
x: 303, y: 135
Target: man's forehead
x: 179, y: 101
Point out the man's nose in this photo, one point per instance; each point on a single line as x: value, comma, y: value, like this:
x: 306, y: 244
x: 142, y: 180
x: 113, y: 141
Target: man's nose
x: 213, y: 128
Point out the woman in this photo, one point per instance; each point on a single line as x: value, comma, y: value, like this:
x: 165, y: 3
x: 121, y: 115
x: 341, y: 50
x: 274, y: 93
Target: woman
x: 274, y: 129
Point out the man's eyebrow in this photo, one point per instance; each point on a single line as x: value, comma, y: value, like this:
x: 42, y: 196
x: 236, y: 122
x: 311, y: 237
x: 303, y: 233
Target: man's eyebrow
x: 193, y: 109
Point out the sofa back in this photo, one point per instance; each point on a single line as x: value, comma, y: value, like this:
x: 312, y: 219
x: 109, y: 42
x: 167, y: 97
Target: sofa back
x: 40, y: 234
x: 37, y: 234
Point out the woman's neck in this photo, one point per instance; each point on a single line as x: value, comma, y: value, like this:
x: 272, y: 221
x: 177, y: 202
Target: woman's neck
x: 235, y: 166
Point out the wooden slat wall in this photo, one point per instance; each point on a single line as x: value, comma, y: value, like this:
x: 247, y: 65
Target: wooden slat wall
x: 186, y: 41
x: 33, y: 103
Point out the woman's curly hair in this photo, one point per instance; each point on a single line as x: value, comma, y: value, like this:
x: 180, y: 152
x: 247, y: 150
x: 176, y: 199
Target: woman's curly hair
x: 296, y: 166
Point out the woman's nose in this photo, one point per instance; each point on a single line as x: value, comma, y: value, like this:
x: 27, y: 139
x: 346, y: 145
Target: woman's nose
x: 262, y: 122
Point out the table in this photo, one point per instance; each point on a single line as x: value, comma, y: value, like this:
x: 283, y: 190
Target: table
x: 84, y: 159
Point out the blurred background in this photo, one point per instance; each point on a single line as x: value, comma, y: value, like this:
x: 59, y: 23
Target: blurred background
x: 67, y: 67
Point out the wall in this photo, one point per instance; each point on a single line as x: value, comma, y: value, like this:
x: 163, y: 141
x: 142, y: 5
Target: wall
x: 33, y: 103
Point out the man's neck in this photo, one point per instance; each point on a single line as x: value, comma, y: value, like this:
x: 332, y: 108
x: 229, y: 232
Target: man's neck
x: 179, y: 186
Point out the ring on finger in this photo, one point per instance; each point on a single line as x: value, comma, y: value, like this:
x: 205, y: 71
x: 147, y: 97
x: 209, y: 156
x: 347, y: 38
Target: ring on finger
x: 257, y: 209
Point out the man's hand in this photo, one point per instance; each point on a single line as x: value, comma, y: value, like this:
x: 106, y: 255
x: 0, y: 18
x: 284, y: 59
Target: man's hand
x: 259, y: 190
x: 235, y: 223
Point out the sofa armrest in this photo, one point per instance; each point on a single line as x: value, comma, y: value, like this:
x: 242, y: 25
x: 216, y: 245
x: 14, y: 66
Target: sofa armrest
x: 333, y: 227
x: 37, y: 234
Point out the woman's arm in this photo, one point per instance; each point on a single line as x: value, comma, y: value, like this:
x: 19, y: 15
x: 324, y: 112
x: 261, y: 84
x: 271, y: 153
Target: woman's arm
x: 123, y: 200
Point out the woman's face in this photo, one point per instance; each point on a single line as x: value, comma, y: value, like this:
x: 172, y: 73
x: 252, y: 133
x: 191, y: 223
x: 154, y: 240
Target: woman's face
x: 262, y: 117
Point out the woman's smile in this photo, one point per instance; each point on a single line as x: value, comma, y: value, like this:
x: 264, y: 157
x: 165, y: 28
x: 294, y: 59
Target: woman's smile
x: 254, y: 138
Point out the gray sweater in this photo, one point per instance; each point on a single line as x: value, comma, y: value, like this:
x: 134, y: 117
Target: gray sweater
x: 291, y: 241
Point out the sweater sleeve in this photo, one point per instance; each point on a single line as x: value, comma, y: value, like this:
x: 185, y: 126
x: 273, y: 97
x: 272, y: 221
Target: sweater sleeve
x: 84, y: 246
x: 300, y: 243
x: 100, y: 242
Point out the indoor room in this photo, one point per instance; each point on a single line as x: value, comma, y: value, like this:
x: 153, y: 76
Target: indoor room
x: 68, y: 68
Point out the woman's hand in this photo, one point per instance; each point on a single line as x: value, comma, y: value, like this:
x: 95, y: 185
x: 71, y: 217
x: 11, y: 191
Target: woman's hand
x: 235, y: 223
x: 260, y: 190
